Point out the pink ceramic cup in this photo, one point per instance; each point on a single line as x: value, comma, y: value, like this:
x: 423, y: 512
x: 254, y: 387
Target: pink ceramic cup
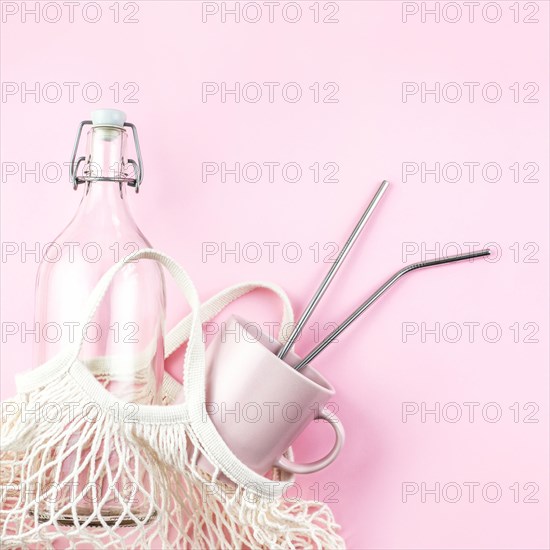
x: 259, y: 404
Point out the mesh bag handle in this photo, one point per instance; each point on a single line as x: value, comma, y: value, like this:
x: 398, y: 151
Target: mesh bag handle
x: 193, y: 410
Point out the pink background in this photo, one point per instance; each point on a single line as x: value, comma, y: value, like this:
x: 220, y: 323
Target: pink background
x: 369, y: 133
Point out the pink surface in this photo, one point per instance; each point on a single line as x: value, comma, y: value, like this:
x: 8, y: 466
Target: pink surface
x: 490, y: 344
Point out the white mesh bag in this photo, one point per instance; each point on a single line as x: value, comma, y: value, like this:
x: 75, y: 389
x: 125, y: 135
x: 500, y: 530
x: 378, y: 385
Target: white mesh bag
x: 150, y: 492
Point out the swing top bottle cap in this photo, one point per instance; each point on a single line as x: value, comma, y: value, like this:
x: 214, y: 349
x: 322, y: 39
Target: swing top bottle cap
x: 108, y: 117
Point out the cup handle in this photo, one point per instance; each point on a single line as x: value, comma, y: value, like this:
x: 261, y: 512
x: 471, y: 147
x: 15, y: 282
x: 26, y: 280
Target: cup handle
x: 310, y: 467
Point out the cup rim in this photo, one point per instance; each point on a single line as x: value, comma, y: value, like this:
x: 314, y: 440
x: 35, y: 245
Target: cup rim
x: 323, y: 383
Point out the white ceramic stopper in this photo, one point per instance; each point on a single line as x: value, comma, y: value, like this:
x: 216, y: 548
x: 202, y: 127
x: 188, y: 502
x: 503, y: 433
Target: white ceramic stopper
x: 108, y: 117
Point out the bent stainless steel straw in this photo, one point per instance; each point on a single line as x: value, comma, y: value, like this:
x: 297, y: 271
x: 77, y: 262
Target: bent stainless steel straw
x: 371, y: 299
x: 332, y: 271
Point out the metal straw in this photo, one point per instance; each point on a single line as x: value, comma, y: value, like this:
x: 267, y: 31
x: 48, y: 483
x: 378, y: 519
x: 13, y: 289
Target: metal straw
x: 332, y: 271
x: 365, y: 305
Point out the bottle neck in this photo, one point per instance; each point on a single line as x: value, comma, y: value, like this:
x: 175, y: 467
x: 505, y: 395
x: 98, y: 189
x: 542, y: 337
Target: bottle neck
x: 104, y: 199
x: 105, y: 152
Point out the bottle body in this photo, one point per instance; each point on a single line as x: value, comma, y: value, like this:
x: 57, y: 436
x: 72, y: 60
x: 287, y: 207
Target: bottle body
x: 124, y: 343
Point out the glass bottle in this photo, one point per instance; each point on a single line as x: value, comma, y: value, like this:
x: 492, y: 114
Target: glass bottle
x: 124, y: 343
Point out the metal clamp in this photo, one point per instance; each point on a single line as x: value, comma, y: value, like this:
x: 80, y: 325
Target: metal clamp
x: 75, y: 163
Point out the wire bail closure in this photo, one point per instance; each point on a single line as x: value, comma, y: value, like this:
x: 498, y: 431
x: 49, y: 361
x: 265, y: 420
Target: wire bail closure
x: 76, y: 180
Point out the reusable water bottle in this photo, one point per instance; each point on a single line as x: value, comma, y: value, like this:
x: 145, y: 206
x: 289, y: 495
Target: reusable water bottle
x: 124, y: 344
